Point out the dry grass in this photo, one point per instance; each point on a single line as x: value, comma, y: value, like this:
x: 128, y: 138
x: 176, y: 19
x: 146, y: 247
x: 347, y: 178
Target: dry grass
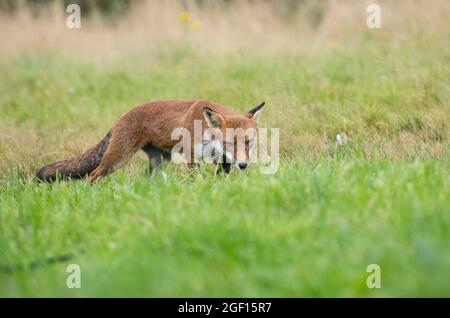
x: 320, y: 68
x: 257, y: 27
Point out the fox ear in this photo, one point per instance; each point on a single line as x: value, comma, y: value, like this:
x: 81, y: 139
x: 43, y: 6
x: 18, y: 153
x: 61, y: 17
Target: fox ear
x: 254, y: 113
x: 214, y: 119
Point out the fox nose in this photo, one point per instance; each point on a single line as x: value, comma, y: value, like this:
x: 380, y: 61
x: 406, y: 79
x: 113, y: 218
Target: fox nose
x: 242, y: 165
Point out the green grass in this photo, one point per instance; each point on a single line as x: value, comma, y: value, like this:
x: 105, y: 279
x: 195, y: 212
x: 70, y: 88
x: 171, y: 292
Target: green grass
x: 311, y: 229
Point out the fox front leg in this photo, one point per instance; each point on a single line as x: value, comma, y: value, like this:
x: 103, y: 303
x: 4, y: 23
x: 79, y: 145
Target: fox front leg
x: 223, y: 167
x: 156, y: 158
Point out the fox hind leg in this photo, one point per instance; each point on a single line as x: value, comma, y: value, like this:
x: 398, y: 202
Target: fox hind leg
x: 109, y: 164
x: 156, y: 158
x: 116, y: 156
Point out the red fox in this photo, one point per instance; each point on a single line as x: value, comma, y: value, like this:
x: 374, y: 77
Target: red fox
x: 149, y: 127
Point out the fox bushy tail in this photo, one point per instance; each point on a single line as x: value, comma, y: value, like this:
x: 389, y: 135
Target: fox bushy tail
x: 77, y: 167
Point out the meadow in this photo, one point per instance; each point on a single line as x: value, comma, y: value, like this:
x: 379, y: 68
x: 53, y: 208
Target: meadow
x: 311, y: 229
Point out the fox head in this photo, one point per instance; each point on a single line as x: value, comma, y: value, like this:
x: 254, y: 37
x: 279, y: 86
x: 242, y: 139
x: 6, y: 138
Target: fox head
x: 236, y: 138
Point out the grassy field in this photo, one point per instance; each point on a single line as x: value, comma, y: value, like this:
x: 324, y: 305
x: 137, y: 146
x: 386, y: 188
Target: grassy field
x: 311, y: 229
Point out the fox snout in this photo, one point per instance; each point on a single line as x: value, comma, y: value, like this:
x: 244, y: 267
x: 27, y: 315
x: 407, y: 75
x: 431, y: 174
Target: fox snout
x: 242, y: 165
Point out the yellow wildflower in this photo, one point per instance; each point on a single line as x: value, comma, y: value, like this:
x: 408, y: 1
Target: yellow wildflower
x: 196, y: 25
x: 184, y: 16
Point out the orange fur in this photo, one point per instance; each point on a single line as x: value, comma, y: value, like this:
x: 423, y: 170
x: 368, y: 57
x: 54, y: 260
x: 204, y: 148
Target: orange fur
x: 152, y: 124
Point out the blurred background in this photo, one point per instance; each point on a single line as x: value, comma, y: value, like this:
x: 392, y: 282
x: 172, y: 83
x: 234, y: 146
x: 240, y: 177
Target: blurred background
x: 317, y: 64
x: 113, y: 26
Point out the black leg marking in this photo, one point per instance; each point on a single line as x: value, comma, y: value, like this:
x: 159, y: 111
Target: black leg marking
x: 224, y: 167
x: 156, y: 156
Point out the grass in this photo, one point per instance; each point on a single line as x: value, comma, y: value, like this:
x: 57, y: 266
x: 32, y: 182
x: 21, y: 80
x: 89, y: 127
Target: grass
x: 311, y: 229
